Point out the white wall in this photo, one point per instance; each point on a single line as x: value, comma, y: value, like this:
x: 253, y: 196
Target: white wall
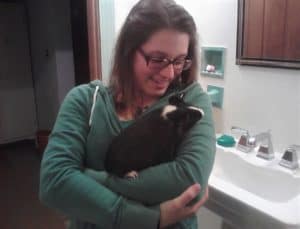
x: 107, y: 30
x: 298, y: 112
x: 255, y: 98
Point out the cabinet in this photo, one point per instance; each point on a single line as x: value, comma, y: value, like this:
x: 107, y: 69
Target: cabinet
x: 269, y: 33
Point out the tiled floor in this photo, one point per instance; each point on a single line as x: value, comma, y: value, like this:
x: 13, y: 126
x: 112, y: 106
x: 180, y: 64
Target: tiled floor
x: 19, y: 179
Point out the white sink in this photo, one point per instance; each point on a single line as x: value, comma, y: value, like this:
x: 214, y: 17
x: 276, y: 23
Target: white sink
x: 261, y: 184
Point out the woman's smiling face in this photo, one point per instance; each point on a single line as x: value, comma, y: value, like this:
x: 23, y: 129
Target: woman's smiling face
x: 151, y: 83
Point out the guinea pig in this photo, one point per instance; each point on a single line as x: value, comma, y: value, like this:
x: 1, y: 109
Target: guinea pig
x: 152, y: 139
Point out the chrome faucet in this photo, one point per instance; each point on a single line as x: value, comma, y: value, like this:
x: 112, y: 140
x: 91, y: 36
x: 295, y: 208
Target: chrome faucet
x: 290, y: 157
x: 244, y: 142
x: 247, y: 143
x: 235, y: 129
x: 265, y: 150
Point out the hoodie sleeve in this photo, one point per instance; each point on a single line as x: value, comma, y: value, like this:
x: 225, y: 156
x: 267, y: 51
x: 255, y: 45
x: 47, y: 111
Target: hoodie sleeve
x: 64, y: 187
x: 193, y: 164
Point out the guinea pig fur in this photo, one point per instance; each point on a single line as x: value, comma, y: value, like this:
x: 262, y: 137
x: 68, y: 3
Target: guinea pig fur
x: 152, y: 139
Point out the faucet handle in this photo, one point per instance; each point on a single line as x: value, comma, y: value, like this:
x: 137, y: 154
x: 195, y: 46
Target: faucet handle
x: 238, y: 130
x: 265, y: 150
x: 243, y: 144
x: 244, y: 136
x: 296, y: 147
x: 290, y: 157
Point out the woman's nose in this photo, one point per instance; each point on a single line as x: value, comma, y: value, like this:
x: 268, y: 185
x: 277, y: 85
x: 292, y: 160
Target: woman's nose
x: 168, y: 72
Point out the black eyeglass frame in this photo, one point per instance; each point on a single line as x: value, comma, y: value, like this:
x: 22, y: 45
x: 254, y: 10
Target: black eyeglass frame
x: 186, y: 64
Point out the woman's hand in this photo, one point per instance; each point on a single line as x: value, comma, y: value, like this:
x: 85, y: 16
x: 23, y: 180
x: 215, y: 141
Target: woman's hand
x: 177, y: 209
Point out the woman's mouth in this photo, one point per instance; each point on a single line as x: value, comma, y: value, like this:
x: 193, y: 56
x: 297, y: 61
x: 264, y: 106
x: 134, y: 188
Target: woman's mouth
x: 160, y: 84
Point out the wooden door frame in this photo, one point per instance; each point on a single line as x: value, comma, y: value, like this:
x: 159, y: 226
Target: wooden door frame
x: 94, y: 45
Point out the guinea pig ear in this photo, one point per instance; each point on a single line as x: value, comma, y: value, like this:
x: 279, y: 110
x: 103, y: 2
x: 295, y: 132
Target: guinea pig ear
x: 176, y: 99
x: 179, y: 115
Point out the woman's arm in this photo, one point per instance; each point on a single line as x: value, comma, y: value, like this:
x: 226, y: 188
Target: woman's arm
x: 166, y: 181
x: 63, y: 185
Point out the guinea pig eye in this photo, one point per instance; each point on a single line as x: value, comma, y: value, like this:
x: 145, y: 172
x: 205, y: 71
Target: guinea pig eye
x: 181, y: 95
x: 176, y: 99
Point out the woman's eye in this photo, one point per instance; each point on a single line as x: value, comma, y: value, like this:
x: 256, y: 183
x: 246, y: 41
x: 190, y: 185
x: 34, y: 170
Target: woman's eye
x: 179, y: 62
x: 157, y: 60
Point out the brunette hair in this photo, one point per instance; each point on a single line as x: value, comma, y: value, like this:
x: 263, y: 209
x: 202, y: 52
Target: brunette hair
x: 144, y: 19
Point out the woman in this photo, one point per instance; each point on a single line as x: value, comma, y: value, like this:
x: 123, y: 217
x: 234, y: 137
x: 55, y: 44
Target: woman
x: 155, y: 57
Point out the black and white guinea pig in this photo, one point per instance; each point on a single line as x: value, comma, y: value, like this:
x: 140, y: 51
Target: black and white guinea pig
x: 152, y: 139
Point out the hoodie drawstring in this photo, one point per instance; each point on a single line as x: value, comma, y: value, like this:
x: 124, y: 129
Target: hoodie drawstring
x: 93, y: 106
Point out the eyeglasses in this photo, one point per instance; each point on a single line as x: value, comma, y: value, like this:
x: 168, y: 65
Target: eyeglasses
x: 158, y: 63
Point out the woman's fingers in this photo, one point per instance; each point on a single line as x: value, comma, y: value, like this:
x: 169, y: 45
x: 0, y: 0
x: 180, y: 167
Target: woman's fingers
x: 201, y: 202
x: 188, y: 195
x: 177, y: 209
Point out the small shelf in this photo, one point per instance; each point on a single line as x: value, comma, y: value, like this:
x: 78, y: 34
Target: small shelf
x: 212, y: 61
x: 216, y: 95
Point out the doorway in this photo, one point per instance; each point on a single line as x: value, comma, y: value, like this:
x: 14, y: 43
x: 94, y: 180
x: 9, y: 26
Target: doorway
x: 59, y: 48
x: 38, y: 66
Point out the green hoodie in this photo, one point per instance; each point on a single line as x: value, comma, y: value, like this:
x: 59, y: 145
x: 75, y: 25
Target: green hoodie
x: 73, y: 179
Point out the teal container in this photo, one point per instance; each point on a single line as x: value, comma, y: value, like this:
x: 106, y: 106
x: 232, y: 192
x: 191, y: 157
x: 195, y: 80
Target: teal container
x: 226, y: 141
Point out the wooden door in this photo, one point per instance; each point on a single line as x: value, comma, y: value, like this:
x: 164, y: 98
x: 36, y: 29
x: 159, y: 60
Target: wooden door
x: 292, y: 32
x: 253, y: 29
x: 274, y: 29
